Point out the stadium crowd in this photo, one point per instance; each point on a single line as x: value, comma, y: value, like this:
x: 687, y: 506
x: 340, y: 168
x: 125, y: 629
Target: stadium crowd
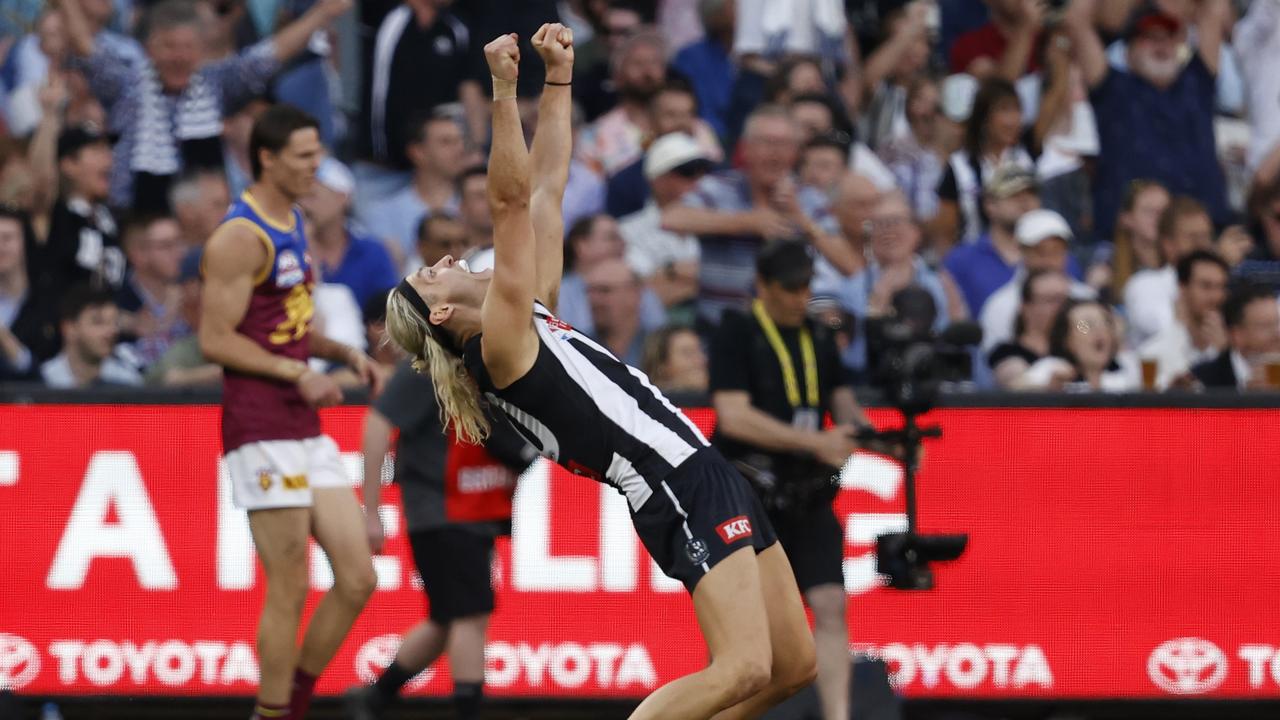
x: 1095, y: 182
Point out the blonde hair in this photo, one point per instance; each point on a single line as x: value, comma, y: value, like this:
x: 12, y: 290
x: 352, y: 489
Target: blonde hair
x: 456, y: 390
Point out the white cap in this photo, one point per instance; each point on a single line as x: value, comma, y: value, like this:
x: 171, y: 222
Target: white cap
x: 1039, y: 225
x: 670, y: 152
x: 958, y: 92
x: 335, y: 176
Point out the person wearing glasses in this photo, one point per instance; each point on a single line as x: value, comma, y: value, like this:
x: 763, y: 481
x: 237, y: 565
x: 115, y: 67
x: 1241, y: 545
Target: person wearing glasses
x: 667, y: 261
x: 895, y: 264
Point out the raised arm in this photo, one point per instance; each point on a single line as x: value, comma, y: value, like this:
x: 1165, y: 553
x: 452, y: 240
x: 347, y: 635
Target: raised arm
x: 293, y: 38
x: 1090, y: 53
x: 906, y: 32
x: 549, y: 158
x: 509, y: 346
x: 1211, y: 24
x: 107, y: 73
x: 1013, y: 64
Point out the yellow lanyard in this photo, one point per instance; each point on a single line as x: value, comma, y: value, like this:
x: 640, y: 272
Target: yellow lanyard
x: 784, y: 358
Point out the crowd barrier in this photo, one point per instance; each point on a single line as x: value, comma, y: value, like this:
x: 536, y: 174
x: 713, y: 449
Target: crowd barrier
x: 1115, y: 552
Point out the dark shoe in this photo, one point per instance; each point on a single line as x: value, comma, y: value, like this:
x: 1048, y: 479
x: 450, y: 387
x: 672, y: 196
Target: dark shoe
x: 361, y: 704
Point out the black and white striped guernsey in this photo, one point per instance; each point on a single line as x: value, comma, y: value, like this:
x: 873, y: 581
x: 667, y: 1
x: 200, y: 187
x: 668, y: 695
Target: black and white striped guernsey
x: 591, y: 413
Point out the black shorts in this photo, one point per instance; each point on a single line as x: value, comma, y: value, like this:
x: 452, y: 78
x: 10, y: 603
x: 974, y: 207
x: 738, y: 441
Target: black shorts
x: 815, y: 546
x: 698, y: 516
x: 454, y: 564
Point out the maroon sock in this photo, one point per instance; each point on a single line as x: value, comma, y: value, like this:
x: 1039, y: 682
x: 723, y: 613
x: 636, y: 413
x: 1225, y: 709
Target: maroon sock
x: 263, y: 711
x: 304, y: 684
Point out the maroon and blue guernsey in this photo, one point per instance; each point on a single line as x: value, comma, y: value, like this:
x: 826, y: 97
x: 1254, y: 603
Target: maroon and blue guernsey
x: 256, y: 408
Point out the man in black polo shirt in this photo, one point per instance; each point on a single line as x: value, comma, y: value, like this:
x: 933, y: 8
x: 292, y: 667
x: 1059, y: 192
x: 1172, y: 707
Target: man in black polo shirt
x: 774, y: 375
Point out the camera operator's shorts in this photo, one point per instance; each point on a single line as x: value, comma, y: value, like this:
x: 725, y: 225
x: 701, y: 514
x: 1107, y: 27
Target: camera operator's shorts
x: 815, y: 546
x: 702, y: 513
x: 454, y: 565
x: 270, y: 474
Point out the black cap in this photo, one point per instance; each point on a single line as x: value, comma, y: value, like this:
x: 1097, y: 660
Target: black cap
x: 786, y: 262
x: 74, y: 138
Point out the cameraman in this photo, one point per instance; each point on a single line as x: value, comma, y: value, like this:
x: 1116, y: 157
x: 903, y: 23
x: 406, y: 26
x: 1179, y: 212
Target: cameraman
x: 775, y: 373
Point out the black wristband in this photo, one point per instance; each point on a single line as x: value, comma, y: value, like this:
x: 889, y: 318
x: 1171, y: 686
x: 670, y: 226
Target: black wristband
x: 556, y: 84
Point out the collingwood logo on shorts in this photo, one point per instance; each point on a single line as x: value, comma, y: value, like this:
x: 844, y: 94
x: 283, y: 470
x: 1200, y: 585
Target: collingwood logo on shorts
x: 697, y: 551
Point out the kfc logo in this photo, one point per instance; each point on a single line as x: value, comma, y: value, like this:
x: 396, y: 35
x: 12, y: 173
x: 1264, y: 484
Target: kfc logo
x: 734, y: 529
x: 556, y: 323
x: 19, y: 662
x: 1187, y: 666
x: 376, y: 654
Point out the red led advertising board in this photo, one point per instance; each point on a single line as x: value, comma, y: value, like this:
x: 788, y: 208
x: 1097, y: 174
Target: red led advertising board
x: 1113, y: 554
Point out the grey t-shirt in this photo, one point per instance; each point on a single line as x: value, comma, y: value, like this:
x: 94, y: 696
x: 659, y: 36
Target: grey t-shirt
x: 409, y: 402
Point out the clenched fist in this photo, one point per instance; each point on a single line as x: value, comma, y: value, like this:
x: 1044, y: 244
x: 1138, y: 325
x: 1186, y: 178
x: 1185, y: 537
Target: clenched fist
x: 503, y: 56
x: 554, y: 44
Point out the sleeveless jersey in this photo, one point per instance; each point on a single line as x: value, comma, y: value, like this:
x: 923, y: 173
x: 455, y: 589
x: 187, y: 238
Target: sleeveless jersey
x: 256, y: 408
x: 591, y: 413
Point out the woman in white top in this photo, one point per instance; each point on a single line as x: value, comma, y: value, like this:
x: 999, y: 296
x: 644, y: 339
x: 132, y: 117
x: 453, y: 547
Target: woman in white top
x: 993, y: 137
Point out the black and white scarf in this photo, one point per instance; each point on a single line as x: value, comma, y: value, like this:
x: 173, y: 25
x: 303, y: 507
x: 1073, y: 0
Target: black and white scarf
x: 157, y: 143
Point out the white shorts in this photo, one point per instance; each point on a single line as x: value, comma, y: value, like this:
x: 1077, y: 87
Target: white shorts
x: 281, y: 473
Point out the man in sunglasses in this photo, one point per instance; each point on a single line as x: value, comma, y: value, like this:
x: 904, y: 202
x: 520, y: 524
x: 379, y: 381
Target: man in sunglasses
x: 667, y: 261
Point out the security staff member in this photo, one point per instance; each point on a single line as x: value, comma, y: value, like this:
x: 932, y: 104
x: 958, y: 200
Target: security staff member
x: 775, y: 374
x: 452, y: 554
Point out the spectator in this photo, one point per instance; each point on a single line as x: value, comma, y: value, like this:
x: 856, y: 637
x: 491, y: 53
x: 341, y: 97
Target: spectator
x: 1137, y: 233
x: 375, y: 328
x: 1068, y: 132
x: 590, y: 242
x: 1198, y: 333
x: 1155, y: 121
x: 615, y: 140
x: 38, y: 57
x: 183, y: 365
x: 1234, y: 245
x: 614, y: 292
x: 1252, y: 317
x: 342, y: 255
x: 667, y: 262
x: 781, y: 28
x: 89, y: 322
x: 983, y: 267
x: 593, y: 86
x: 169, y: 111
x: 436, y: 149
x: 28, y: 333
x: 585, y: 192
x: 917, y: 157
x: 894, y: 265
x: 199, y: 200
x: 1150, y: 295
x: 473, y: 189
x: 150, y: 300
x: 731, y: 213
x: 672, y: 110
x: 1263, y: 264
x: 993, y: 138
x: 1043, y: 294
x: 235, y: 143
x: 708, y: 65
x: 417, y: 34
x: 817, y: 115
x: 440, y: 235
x: 1084, y: 348
x: 1045, y: 238
x: 855, y: 199
x: 1005, y: 46
x: 824, y: 161
x: 675, y: 361
x: 83, y: 244
x: 1257, y: 42
x: 896, y: 65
